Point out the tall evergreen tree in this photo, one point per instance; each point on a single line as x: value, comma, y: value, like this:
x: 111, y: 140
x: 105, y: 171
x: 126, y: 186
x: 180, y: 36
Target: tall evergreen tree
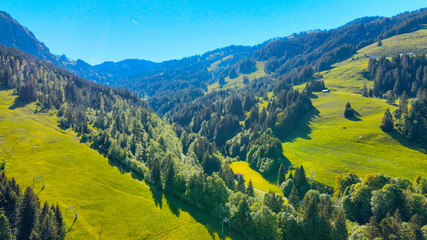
x: 240, y: 184
x: 156, y: 178
x: 340, y: 229
x: 387, y: 123
x: 170, y: 177
x: 5, y: 232
x: 250, y: 189
x: 365, y: 92
x: 28, y: 214
x: 294, y: 197
x: 403, y: 103
x: 227, y: 174
x: 391, y: 97
x: 281, y: 175
x: 348, y: 112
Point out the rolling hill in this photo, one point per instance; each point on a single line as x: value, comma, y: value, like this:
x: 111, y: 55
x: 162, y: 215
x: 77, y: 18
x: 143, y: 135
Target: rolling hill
x: 327, y: 144
x: 110, y: 204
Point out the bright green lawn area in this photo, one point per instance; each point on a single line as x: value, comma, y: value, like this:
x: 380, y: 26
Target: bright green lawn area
x: 331, y: 144
x: 258, y: 181
x: 327, y: 144
x: 238, y: 82
x: 110, y: 205
x: 413, y: 42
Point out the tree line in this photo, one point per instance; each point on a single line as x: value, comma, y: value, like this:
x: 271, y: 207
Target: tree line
x: 22, y: 216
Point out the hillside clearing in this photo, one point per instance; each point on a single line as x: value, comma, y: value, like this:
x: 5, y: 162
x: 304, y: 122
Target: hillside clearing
x: 110, y: 205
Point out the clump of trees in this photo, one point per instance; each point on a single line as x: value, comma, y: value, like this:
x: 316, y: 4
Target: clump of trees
x: 409, y: 121
x: 349, y: 111
x: 22, y: 216
x: 404, y: 73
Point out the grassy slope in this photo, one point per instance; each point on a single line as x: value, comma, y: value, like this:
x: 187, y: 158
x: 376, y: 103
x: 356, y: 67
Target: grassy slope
x: 110, y: 205
x: 327, y: 143
x: 238, y: 82
x: 257, y: 180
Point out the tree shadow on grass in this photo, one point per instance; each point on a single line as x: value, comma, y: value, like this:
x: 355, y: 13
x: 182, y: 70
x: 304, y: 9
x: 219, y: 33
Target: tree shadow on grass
x: 303, y: 129
x: 211, y: 223
x: 17, y: 104
x: 402, y: 139
x: 157, y: 196
x: 356, y: 117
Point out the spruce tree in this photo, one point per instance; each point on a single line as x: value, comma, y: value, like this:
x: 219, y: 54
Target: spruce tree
x: 5, y: 232
x: 281, y: 175
x: 403, y: 103
x: 340, y: 229
x: 170, y: 177
x: 250, y: 189
x: 365, y: 92
x: 373, y: 230
x: 348, y: 112
x: 391, y: 97
x: 294, y: 197
x: 28, y: 214
x: 387, y: 123
x: 241, y: 184
x: 156, y: 179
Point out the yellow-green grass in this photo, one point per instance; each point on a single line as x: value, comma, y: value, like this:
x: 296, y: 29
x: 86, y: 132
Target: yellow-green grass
x: 214, y: 65
x: 258, y: 181
x: 413, y: 42
x: 110, y: 204
x: 238, y: 82
x: 326, y: 143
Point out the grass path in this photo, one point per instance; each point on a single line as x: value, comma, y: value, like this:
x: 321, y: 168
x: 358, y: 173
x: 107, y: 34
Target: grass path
x: 110, y: 205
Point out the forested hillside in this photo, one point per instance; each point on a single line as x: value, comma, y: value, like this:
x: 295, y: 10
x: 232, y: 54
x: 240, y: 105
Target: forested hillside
x: 312, y: 126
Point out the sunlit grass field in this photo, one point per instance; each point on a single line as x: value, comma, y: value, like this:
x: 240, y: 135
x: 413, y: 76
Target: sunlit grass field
x: 326, y: 143
x: 258, y: 181
x: 110, y: 205
x: 238, y: 82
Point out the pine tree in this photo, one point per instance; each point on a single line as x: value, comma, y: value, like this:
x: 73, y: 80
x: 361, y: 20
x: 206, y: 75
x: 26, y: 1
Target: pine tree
x: 294, y: 197
x: 403, y: 103
x: 387, y: 123
x: 250, y: 189
x: 156, y: 176
x: 241, y: 184
x: 281, y: 175
x: 379, y: 43
x: 28, y: 214
x: 391, y: 97
x: 340, y: 229
x: 416, y: 224
x: 365, y: 92
x: 373, y: 229
x: 170, y: 177
x: 5, y: 232
x: 348, y: 112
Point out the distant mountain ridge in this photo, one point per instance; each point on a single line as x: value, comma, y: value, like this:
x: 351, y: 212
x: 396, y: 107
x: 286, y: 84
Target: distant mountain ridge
x: 15, y: 35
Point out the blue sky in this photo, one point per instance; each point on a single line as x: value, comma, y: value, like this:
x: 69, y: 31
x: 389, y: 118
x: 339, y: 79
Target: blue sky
x: 106, y: 30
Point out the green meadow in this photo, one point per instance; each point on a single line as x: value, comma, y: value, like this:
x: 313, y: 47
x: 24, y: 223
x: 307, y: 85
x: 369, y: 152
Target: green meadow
x: 327, y: 144
x: 110, y: 204
x: 258, y: 181
x: 238, y: 82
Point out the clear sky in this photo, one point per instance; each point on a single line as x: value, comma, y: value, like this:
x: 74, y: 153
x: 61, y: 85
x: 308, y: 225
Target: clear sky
x: 157, y: 30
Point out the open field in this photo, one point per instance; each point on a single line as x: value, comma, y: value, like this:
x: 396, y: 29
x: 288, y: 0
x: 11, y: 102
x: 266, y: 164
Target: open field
x: 326, y: 143
x: 258, y: 181
x: 110, y: 204
x: 238, y: 82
